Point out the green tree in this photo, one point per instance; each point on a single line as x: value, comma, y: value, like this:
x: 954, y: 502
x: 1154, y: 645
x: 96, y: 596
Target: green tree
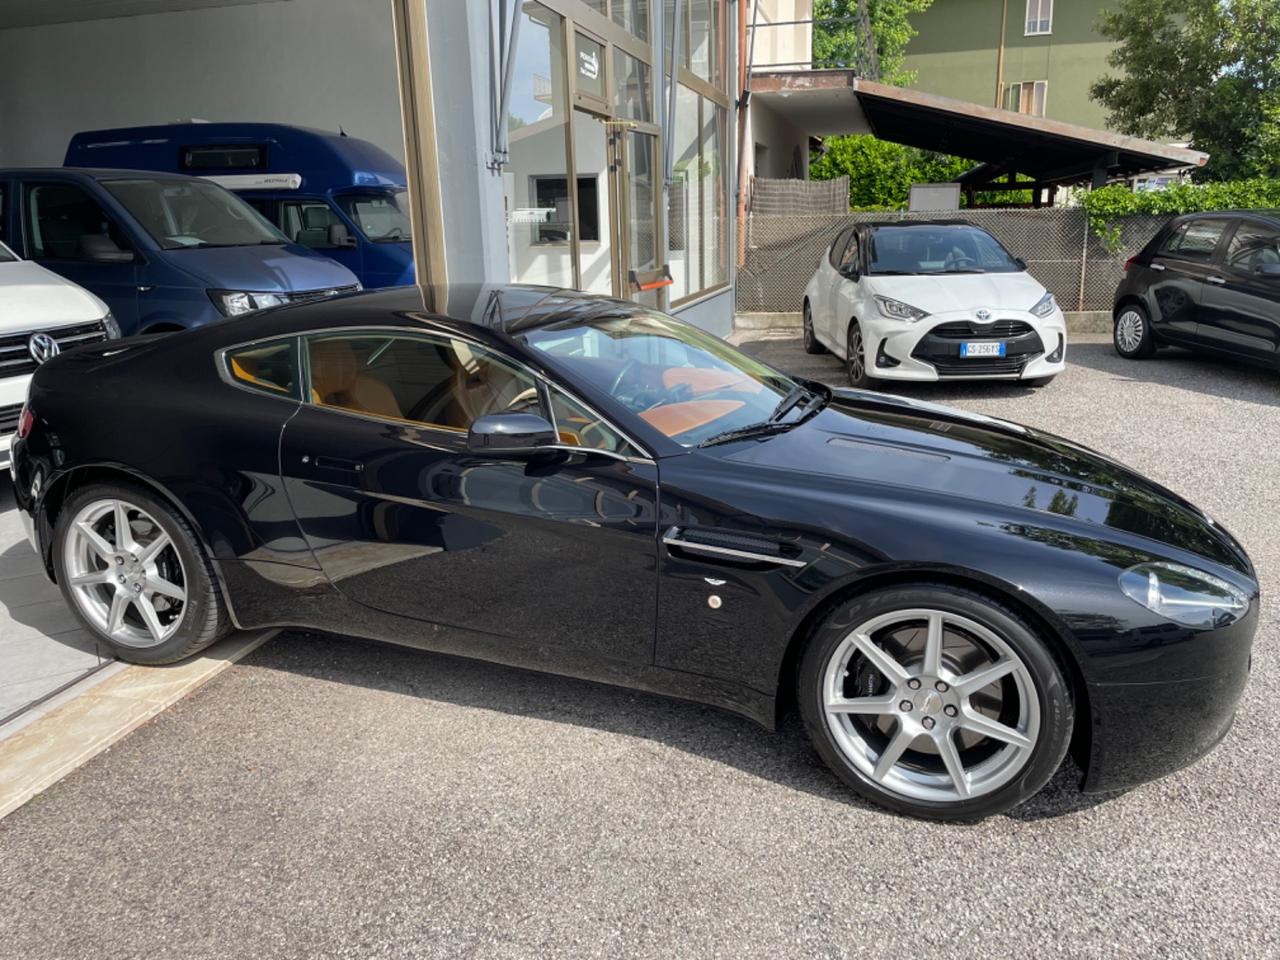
x: 1207, y: 70
x: 841, y: 44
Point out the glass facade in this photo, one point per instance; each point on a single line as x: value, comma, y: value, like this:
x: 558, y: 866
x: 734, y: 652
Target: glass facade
x: 583, y: 179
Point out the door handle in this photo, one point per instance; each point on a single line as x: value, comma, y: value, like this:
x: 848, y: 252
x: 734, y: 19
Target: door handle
x: 1157, y: 266
x: 1218, y: 280
x: 336, y: 463
x: 730, y: 546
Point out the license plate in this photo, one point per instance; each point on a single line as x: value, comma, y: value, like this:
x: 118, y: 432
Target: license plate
x: 992, y: 348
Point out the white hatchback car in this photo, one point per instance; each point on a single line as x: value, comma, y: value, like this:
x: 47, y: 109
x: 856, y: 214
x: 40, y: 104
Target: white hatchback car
x: 41, y: 314
x: 912, y: 300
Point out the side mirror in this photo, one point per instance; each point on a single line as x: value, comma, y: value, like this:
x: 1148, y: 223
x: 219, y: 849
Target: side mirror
x: 1022, y: 264
x: 1268, y: 271
x: 340, y: 236
x: 510, y: 434
x: 100, y: 248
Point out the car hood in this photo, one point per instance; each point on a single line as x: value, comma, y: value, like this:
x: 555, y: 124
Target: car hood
x: 270, y: 268
x: 32, y: 297
x: 962, y: 291
x: 908, y: 444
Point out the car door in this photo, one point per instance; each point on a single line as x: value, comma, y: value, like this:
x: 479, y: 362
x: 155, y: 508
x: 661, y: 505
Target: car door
x: 1180, y: 268
x: 1241, y: 311
x: 555, y: 551
x: 306, y: 221
x: 65, y: 229
x: 827, y: 273
x: 844, y: 292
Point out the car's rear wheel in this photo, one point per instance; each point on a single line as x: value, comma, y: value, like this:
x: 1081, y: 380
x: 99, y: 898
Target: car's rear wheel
x: 935, y: 701
x: 811, y: 344
x: 855, y: 361
x: 1132, y: 333
x: 132, y: 570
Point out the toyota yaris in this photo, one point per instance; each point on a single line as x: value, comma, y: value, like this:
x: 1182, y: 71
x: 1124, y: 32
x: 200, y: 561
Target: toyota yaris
x: 589, y: 487
x: 931, y: 301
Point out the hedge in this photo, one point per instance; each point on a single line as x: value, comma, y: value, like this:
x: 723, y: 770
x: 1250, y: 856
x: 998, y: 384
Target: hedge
x: 1105, y: 205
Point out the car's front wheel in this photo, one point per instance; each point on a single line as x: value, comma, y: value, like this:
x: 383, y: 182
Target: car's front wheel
x: 855, y: 361
x: 133, y: 571
x: 935, y: 701
x: 811, y: 342
x: 1132, y: 333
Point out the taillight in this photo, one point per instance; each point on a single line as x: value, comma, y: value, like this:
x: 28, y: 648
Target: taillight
x: 1130, y: 262
x: 26, y: 420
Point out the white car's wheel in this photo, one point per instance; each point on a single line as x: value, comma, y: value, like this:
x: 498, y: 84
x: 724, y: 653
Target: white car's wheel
x: 811, y: 344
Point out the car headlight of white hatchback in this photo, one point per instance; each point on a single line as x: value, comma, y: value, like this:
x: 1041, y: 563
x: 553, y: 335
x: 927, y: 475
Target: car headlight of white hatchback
x: 111, y: 326
x: 236, y: 303
x: 1183, y: 594
x: 897, y: 310
x: 1046, y: 306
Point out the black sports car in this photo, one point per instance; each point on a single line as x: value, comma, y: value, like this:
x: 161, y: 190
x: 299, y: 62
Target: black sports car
x: 588, y: 487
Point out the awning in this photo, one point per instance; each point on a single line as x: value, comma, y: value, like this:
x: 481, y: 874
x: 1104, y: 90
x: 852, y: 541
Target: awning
x: 1052, y: 153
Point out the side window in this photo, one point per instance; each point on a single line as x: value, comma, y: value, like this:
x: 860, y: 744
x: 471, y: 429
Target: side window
x: 438, y: 382
x: 307, y: 222
x: 3, y: 212
x: 850, y: 258
x: 269, y: 367
x: 1252, y: 246
x: 579, y: 427
x: 837, y: 247
x: 1195, y: 240
x: 65, y: 223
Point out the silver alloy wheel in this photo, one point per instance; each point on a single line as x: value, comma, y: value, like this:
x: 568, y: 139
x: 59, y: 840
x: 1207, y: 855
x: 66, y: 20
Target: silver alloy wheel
x: 125, y: 574
x: 1129, y: 329
x: 856, y: 362
x: 931, y: 705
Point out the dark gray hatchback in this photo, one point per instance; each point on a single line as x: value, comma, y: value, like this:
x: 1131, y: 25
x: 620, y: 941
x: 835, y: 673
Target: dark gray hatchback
x: 1209, y: 282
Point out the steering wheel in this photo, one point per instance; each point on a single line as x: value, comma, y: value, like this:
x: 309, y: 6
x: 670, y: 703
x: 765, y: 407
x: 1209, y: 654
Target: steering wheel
x: 622, y: 375
x: 960, y: 260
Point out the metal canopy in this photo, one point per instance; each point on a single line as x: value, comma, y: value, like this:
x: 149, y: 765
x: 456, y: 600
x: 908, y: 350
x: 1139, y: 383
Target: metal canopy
x: 1052, y: 153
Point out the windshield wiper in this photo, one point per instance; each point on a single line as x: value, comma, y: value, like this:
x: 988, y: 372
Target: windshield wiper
x: 799, y: 395
x: 762, y: 429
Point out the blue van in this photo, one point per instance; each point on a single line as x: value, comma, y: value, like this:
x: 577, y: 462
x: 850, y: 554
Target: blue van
x: 338, y: 195
x: 164, y: 252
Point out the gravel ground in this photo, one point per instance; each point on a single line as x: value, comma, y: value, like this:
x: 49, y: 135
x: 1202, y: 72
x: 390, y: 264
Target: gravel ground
x: 332, y: 798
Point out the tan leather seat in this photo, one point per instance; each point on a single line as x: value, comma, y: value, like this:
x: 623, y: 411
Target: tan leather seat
x: 336, y: 380
x: 481, y: 386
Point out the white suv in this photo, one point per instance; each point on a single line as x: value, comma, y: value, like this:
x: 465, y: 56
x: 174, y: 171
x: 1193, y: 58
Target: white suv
x: 41, y: 314
x: 931, y: 301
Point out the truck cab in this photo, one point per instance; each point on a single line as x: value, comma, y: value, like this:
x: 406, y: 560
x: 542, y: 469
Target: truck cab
x: 339, y: 196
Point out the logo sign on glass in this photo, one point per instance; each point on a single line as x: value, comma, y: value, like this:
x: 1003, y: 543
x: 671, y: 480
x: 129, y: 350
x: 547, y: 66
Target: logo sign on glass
x: 590, y: 67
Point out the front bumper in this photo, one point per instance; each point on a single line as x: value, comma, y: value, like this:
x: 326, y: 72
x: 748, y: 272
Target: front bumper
x: 930, y: 350
x: 1143, y: 731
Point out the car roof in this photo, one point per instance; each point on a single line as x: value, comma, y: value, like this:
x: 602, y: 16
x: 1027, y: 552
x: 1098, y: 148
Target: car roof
x: 877, y: 224
x: 92, y: 173
x: 1262, y: 214
x: 503, y: 310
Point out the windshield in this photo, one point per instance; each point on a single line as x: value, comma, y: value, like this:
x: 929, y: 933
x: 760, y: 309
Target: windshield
x: 180, y: 214
x: 381, y: 217
x: 932, y: 248
x: 685, y: 383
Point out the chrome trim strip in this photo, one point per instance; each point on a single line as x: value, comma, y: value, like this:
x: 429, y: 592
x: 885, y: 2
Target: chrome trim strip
x: 671, y: 539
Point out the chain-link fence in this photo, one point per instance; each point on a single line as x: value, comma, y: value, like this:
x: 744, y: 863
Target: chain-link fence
x: 783, y: 252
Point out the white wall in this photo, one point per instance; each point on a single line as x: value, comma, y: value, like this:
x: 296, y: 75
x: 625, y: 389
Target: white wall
x: 319, y: 63
x: 783, y: 142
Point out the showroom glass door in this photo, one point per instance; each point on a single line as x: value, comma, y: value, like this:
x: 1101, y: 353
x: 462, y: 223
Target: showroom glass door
x: 594, y: 153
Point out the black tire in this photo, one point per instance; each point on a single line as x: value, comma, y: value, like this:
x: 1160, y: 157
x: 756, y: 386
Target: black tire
x: 1128, y: 317
x: 1043, y: 669
x: 855, y: 361
x: 811, y: 344
x: 204, y: 616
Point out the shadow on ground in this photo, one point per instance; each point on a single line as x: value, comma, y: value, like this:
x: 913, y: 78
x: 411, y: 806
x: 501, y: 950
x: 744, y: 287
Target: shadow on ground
x: 784, y: 757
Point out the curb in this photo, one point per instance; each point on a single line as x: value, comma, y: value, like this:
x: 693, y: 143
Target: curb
x: 87, y: 718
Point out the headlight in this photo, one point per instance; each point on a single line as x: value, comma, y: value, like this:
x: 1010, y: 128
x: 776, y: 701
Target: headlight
x: 1046, y: 306
x: 236, y: 303
x: 897, y: 310
x: 1183, y: 594
x: 111, y: 326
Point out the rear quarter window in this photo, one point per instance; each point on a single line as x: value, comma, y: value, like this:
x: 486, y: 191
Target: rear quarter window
x: 270, y: 368
x: 1195, y: 239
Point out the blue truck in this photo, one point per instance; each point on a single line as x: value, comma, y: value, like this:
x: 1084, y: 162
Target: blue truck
x: 337, y: 195
x: 165, y: 252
